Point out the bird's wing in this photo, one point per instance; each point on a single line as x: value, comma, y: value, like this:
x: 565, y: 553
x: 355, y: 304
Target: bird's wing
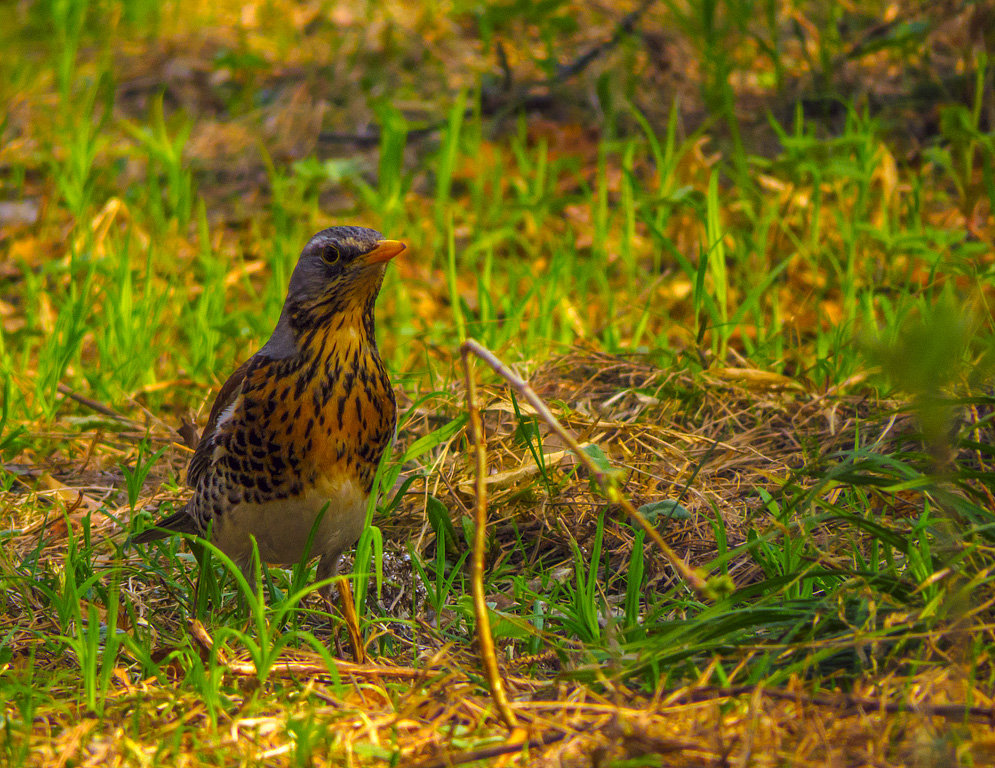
x: 220, y: 412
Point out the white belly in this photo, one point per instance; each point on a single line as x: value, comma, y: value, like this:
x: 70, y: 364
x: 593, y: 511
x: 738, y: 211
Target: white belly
x: 282, y: 528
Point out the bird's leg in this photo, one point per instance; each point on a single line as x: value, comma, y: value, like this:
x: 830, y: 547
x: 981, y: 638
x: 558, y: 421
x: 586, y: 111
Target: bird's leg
x: 327, y: 568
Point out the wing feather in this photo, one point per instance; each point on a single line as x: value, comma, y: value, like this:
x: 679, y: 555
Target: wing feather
x: 220, y: 412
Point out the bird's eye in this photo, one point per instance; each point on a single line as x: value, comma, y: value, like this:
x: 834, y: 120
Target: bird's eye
x: 330, y: 254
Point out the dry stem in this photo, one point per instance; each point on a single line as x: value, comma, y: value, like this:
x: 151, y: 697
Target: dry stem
x: 484, y: 637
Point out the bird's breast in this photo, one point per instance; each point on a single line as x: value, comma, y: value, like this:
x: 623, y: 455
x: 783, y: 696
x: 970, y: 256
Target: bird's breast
x: 334, y: 413
x: 282, y: 527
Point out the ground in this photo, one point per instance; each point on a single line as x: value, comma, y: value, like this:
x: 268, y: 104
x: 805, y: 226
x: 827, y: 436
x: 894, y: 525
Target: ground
x: 742, y: 252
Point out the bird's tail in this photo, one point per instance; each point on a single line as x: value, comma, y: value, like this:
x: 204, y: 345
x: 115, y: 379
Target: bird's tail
x: 180, y: 521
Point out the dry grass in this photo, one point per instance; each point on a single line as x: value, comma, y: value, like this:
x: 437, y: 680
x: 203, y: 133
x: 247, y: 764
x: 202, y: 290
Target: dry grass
x: 710, y: 441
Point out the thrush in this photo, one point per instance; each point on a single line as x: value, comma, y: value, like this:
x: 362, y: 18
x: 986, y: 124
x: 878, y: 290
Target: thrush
x: 297, y: 431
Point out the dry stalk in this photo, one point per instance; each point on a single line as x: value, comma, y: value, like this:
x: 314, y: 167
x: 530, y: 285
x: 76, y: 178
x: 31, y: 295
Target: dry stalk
x: 488, y: 753
x: 296, y: 667
x: 692, y: 576
x: 485, y: 639
x: 352, y: 621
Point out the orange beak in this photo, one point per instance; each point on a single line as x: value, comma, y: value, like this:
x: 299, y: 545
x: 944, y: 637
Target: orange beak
x: 385, y: 251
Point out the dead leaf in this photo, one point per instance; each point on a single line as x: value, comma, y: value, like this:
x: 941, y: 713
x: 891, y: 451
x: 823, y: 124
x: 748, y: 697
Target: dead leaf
x: 753, y: 378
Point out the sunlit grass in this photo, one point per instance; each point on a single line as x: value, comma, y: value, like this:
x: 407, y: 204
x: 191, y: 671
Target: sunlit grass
x: 797, y: 349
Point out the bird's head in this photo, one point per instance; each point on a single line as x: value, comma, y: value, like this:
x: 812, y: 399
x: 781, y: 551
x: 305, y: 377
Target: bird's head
x: 340, y: 270
x: 334, y: 285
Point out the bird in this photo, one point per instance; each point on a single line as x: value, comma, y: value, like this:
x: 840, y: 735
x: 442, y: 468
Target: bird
x: 297, y: 431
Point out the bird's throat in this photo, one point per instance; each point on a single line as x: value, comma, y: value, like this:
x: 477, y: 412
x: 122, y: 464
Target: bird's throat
x: 352, y: 411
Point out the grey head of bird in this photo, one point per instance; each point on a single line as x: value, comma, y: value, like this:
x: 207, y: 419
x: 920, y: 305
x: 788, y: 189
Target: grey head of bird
x: 336, y: 281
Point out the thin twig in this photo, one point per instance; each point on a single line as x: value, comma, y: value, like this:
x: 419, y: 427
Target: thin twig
x: 532, y: 95
x: 319, y: 667
x: 487, y: 753
x: 691, y: 576
x: 485, y: 639
x: 97, y: 406
x: 623, y: 28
